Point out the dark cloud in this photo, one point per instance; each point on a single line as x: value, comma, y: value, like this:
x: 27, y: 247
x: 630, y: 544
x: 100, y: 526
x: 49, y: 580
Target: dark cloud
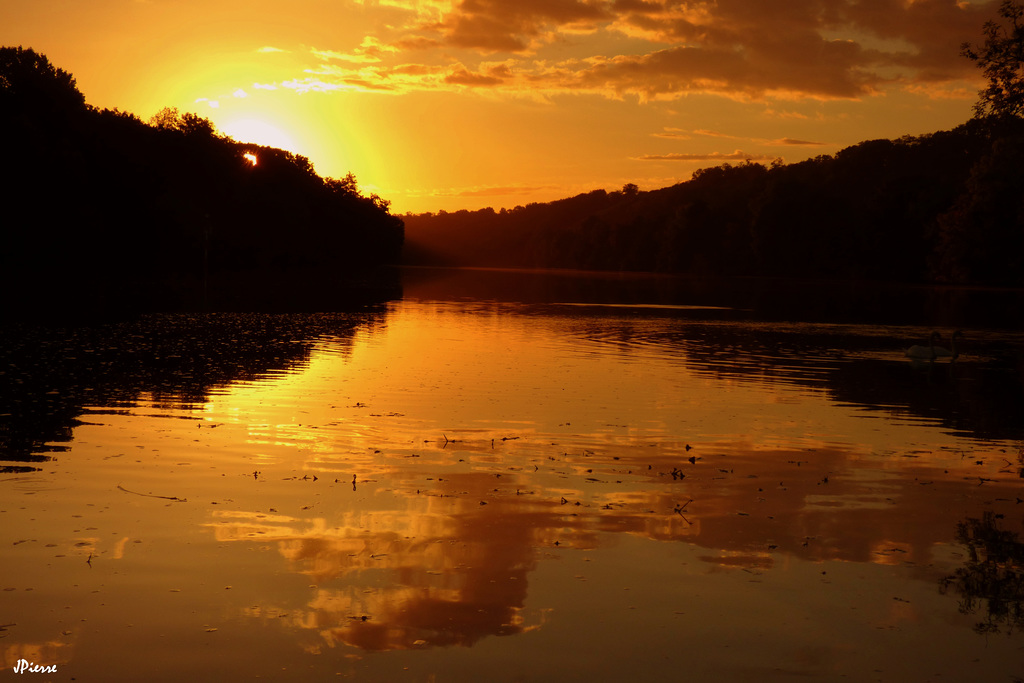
x: 671, y: 72
x: 738, y: 155
x: 797, y: 143
x: 743, y: 49
x: 676, y: 134
x: 825, y: 49
x: 514, y: 25
x: 413, y: 70
x: 461, y: 76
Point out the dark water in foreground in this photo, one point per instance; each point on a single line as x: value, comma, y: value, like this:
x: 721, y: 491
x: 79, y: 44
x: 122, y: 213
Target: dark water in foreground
x: 519, y: 477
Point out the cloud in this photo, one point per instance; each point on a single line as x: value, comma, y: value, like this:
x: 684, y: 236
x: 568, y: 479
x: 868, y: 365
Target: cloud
x: 738, y: 155
x: 328, y: 55
x: 313, y: 84
x: 795, y: 143
x: 461, y: 76
x: 741, y: 49
x: 677, y: 134
x: 517, y: 25
x: 682, y: 70
x: 371, y: 50
x: 713, y: 134
x: 501, y: 191
x: 487, y: 191
x: 673, y: 134
x: 489, y: 74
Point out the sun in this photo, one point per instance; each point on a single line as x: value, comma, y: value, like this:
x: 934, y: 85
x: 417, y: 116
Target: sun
x: 259, y: 132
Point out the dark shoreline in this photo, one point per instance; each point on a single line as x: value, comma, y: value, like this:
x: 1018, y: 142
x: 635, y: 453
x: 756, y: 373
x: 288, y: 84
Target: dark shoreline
x: 767, y: 298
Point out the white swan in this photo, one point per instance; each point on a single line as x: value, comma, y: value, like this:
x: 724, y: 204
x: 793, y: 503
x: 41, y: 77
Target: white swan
x: 931, y: 352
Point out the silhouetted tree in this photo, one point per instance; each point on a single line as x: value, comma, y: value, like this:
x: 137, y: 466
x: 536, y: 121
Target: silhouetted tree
x: 981, y: 237
x: 169, y: 118
x: 992, y: 578
x: 1001, y: 58
x: 165, y: 119
x: 28, y: 82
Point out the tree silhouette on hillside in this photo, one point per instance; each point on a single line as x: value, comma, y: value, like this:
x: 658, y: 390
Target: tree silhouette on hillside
x: 108, y: 213
x: 869, y: 212
x: 991, y: 582
x: 1001, y: 58
x: 29, y: 84
x: 981, y: 236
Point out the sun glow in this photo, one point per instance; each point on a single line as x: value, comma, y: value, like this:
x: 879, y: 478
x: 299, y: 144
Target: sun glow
x: 259, y: 132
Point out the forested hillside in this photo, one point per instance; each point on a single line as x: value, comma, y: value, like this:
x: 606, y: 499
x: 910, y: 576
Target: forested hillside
x: 945, y: 207
x: 104, y: 212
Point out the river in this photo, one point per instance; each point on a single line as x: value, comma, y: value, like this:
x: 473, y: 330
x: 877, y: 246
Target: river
x: 510, y: 476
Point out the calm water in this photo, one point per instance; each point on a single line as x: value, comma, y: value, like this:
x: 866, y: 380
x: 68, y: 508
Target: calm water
x: 518, y: 479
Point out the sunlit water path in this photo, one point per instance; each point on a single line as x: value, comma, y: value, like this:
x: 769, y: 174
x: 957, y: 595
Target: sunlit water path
x: 456, y: 489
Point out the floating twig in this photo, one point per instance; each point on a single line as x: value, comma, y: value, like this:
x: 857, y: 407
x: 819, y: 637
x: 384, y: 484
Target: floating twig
x: 679, y: 511
x: 153, y: 495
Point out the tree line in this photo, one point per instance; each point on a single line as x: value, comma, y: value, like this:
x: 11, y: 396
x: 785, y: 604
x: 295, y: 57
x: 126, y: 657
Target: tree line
x: 942, y: 207
x: 105, y: 211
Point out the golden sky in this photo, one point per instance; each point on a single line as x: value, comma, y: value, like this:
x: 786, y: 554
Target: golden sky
x: 449, y: 104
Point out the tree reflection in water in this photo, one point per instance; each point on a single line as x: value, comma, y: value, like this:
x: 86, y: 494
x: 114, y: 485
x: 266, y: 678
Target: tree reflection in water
x: 498, y: 491
x: 992, y: 579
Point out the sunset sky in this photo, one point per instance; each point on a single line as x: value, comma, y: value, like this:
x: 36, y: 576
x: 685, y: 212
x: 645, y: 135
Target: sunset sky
x: 449, y: 104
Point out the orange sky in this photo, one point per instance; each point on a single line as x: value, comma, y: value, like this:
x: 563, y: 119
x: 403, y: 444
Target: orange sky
x: 449, y: 104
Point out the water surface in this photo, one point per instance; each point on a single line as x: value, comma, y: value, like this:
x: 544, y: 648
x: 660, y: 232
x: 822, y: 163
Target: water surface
x: 546, y: 484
